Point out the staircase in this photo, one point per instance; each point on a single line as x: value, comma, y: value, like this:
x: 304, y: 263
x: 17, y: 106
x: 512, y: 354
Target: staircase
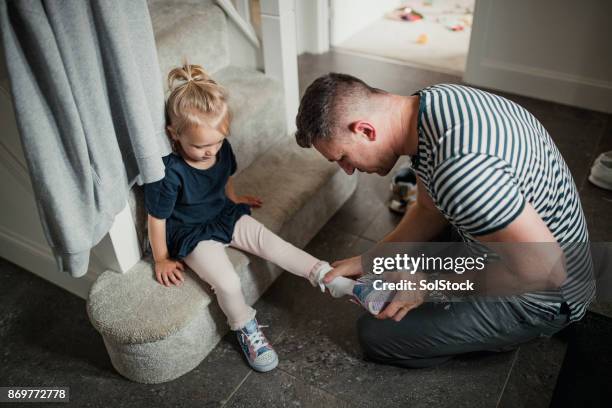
x: 153, y: 333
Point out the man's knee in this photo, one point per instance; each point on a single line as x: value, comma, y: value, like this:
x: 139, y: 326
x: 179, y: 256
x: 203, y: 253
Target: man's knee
x: 375, y: 339
x: 367, y: 335
x: 384, y: 342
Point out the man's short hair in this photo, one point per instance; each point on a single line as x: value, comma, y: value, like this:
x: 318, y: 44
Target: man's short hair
x: 323, y: 104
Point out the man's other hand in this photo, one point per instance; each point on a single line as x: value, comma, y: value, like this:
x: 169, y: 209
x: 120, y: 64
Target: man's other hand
x: 404, y: 300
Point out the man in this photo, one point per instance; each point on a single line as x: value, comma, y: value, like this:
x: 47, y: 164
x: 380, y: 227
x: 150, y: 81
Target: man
x: 485, y: 166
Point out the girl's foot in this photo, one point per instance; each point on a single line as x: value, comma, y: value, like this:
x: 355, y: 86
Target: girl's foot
x: 339, y: 287
x: 258, y: 352
x: 369, y: 298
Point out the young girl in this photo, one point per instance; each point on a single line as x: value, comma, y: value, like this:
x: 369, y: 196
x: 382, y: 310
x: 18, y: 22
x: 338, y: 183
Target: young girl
x: 194, y: 212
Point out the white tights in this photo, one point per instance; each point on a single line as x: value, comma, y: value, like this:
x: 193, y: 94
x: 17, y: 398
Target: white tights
x: 210, y: 261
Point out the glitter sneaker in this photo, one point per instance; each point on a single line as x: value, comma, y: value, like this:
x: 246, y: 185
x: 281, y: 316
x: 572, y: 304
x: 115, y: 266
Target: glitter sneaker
x: 369, y: 298
x: 258, y: 352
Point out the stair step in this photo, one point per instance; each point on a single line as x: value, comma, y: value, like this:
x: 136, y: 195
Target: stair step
x: 258, y: 118
x: 192, y: 29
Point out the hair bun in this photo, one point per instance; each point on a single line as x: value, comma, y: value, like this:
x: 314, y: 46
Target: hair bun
x: 183, y: 75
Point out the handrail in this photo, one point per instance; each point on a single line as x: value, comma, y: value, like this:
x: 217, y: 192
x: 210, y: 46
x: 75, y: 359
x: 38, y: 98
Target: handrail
x: 244, y: 26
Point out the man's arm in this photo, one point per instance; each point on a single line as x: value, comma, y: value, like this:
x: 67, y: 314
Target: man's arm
x: 525, y: 268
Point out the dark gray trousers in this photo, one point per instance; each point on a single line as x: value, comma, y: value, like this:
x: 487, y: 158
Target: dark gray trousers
x: 435, y: 332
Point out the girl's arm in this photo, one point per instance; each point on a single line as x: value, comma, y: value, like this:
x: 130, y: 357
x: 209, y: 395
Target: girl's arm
x: 166, y: 269
x: 229, y: 190
x: 246, y: 199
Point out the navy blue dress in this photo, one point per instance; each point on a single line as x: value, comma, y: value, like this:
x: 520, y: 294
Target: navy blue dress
x: 194, y: 203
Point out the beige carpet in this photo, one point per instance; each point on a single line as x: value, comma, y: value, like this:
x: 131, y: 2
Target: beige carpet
x: 445, y: 50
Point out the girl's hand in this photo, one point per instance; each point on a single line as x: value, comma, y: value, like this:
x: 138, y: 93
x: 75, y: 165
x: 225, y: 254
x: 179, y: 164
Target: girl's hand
x: 250, y: 200
x: 168, y: 271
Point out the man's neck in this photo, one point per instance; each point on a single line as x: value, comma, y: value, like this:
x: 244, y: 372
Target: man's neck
x: 404, y: 125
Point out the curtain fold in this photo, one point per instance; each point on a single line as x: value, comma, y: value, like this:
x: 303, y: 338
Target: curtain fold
x: 89, y: 104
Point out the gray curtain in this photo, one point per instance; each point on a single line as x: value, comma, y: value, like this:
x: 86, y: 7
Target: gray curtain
x: 89, y: 103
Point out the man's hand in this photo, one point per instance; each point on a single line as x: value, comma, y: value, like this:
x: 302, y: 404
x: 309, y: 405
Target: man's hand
x: 169, y: 271
x: 250, y: 200
x: 404, y: 300
x: 346, y: 267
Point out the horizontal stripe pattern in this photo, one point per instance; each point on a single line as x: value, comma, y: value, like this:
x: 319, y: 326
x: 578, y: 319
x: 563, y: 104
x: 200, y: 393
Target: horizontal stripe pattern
x: 482, y: 157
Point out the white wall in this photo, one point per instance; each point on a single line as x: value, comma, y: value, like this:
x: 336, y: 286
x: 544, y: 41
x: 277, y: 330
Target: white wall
x: 22, y: 240
x: 305, y: 23
x: 347, y: 17
x: 312, y: 26
x: 558, y: 50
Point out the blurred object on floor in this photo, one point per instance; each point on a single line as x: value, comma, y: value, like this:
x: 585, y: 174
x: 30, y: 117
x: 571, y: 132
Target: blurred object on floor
x: 422, y: 39
x: 404, y: 14
x: 601, y: 172
x: 403, y: 189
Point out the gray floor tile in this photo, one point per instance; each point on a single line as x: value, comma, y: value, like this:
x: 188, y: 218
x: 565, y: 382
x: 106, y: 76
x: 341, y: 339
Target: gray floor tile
x: 279, y: 389
x: 370, y: 199
x: 332, y: 244
x: 358, y: 212
x: 534, y: 375
x: 577, y: 142
x: 597, y: 207
x: 383, y: 224
x: 603, y: 308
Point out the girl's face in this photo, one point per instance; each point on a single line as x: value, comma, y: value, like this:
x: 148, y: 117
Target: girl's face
x: 199, y: 143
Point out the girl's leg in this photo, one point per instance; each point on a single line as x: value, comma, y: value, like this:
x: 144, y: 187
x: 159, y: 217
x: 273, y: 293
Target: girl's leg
x: 252, y: 236
x: 209, y: 260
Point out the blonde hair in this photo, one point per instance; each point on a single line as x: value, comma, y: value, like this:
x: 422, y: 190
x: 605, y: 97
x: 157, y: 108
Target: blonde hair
x: 195, y: 98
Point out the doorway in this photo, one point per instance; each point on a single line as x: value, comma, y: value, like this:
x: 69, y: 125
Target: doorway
x: 429, y: 34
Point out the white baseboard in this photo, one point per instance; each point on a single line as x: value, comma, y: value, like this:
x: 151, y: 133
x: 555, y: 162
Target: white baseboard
x: 543, y: 84
x: 30, y: 256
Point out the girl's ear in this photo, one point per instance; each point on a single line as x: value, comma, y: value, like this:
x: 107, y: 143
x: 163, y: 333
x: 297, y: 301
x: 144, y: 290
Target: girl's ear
x: 171, y: 132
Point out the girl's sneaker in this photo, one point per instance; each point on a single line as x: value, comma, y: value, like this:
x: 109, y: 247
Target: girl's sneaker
x: 369, y: 298
x: 258, y: 352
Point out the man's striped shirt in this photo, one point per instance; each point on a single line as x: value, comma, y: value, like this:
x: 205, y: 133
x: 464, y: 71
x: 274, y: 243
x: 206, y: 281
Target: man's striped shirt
x: 482, y: 158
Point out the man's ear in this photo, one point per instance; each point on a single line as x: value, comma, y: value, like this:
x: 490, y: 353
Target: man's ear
x: 365, y: 128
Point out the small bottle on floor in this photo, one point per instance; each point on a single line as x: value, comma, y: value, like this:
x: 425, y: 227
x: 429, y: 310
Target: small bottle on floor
x: 361, y: 290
